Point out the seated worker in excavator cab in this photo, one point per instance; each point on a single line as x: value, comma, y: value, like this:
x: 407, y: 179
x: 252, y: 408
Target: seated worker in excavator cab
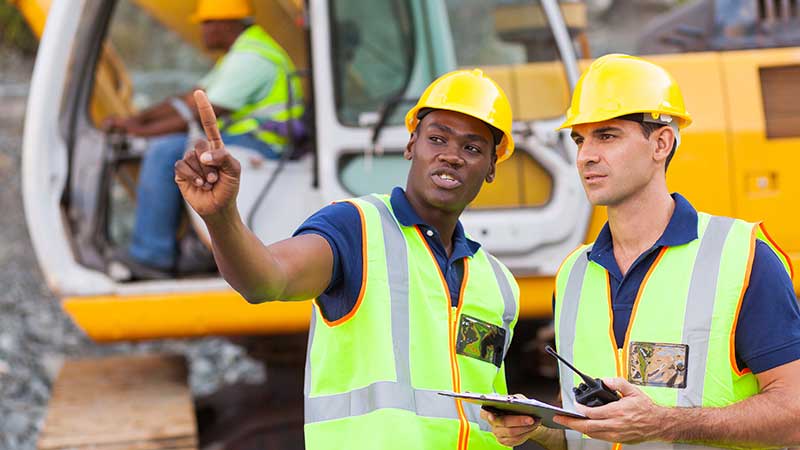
x: 252, y: 88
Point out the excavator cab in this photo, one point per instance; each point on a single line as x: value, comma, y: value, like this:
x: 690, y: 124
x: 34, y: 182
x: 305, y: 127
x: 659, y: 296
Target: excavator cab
x: 362, y: 64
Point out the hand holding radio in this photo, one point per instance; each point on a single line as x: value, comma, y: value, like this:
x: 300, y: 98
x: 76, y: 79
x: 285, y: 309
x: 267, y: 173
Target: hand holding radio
x: 592, y: 392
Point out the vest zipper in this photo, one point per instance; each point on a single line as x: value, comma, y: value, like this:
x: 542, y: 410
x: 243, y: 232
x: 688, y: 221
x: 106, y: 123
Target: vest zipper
x: 617, y: 351
x: 622, y: 353
x: 463, y: 428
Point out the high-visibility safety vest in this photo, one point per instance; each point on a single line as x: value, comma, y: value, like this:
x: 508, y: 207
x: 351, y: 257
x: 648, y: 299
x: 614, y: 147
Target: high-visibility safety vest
x: 373, y: 376
x: 275, y: 105
x: 689, y: 300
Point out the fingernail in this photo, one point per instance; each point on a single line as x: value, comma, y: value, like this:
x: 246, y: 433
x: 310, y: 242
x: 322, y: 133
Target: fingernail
x: 212, y: 177
x: 198, y: 181
x: 205, y: 157
x: 528, y: 421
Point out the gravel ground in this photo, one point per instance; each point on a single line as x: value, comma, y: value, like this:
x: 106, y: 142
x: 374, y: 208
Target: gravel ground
x: 35, y: 335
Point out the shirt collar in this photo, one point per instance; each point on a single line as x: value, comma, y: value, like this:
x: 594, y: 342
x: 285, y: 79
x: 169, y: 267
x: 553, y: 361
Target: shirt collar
x: 408, y: 217
x: 681, y: 229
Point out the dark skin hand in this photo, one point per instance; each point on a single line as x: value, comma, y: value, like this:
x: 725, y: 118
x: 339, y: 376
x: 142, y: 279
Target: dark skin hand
x: 208, y: 176
x: 300, y: 267
x: 513, y: 430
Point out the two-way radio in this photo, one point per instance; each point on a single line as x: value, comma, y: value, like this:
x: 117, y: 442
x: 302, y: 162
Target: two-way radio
x: 592, y: 392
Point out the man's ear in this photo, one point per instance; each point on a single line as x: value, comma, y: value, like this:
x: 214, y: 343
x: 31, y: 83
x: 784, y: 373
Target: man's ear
x: 410, y: 146
x: 492, y: 168
x: 664, y: 139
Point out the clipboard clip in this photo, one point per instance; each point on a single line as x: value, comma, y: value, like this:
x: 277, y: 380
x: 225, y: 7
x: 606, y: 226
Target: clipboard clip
x: 592, y: 392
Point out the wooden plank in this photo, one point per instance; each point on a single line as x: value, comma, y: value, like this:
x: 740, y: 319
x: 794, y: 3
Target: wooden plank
x: 188, y: 443
x: 132, y: 402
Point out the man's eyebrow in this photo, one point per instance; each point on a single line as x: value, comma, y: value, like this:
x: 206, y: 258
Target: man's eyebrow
x: 606, y: 130
x: 448, y: 130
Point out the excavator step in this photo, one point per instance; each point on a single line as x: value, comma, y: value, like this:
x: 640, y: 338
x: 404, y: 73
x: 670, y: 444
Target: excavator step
x: 121, y: 402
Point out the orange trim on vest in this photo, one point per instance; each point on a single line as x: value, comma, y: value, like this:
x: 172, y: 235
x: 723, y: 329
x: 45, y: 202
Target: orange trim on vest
x: 463, y: 429
x: 463, y: 439
x: 613, y: 339
x: 778, y: 248
x: 622, y: 371
x: 745, y: 284
x: 353, y: 311
x: 635, y: 308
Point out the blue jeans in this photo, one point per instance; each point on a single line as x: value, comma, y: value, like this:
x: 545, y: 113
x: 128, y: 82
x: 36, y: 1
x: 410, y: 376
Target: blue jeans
x: 158, y: 211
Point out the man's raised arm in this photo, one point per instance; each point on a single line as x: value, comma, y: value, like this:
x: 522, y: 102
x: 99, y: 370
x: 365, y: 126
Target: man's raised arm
x: 208, y: 176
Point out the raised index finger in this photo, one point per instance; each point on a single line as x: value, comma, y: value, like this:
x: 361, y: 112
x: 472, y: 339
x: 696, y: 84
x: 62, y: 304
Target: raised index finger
x: 208, y: 119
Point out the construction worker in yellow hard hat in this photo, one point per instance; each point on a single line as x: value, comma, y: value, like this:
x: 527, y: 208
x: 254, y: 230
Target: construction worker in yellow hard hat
x: 689, y: 319
x: 406, y: 304
x: 249, y: 88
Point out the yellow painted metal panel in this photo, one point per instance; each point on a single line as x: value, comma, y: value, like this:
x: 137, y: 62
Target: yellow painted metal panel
x: 700, y: 169
x: 520, y: 182
x: 535, y: 297
x: 764, y: 171
x: 223, y: 313
x: 189, y: 314
x: 35, y: 13
x: 521, y: 18
x: 541, y: 91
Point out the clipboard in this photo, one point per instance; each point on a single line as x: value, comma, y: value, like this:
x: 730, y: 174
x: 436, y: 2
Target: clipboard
x: 507, y: 404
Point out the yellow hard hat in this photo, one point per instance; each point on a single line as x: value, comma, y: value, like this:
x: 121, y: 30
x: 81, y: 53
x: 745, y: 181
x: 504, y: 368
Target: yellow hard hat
x: 617, y: 85
x: 472, y: 93
x: 221, y: 10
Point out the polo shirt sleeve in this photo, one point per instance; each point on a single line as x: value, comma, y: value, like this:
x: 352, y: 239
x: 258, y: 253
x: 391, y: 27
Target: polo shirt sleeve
x: 240, y: 79
x: 768, y: 329
x: 340, y: 225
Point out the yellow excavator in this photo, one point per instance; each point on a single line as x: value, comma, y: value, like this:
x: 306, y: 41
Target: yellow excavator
x: 362, y: 62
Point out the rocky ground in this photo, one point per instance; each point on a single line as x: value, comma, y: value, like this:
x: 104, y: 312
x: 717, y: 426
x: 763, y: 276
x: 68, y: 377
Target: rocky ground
x: 35, y: 335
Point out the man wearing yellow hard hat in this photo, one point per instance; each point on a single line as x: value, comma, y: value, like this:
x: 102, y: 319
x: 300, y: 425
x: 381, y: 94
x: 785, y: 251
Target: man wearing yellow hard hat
x: 690, y: 318
x: 253, y: 91
x: 406, y: 304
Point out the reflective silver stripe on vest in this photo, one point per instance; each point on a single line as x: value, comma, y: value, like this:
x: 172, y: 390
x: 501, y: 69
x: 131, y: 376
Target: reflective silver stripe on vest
x: 379, y: 395
x: 566, y: 334
x: 575, y: 442
x: 700, y: 307
x: 388, y: 394
x: 510, y: 306
x: 307, y: 377
x: 397, y: 272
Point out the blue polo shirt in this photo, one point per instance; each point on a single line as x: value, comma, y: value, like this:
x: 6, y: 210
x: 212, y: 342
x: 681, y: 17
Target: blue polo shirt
x: 340, y: 224
x: 768, y: 329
